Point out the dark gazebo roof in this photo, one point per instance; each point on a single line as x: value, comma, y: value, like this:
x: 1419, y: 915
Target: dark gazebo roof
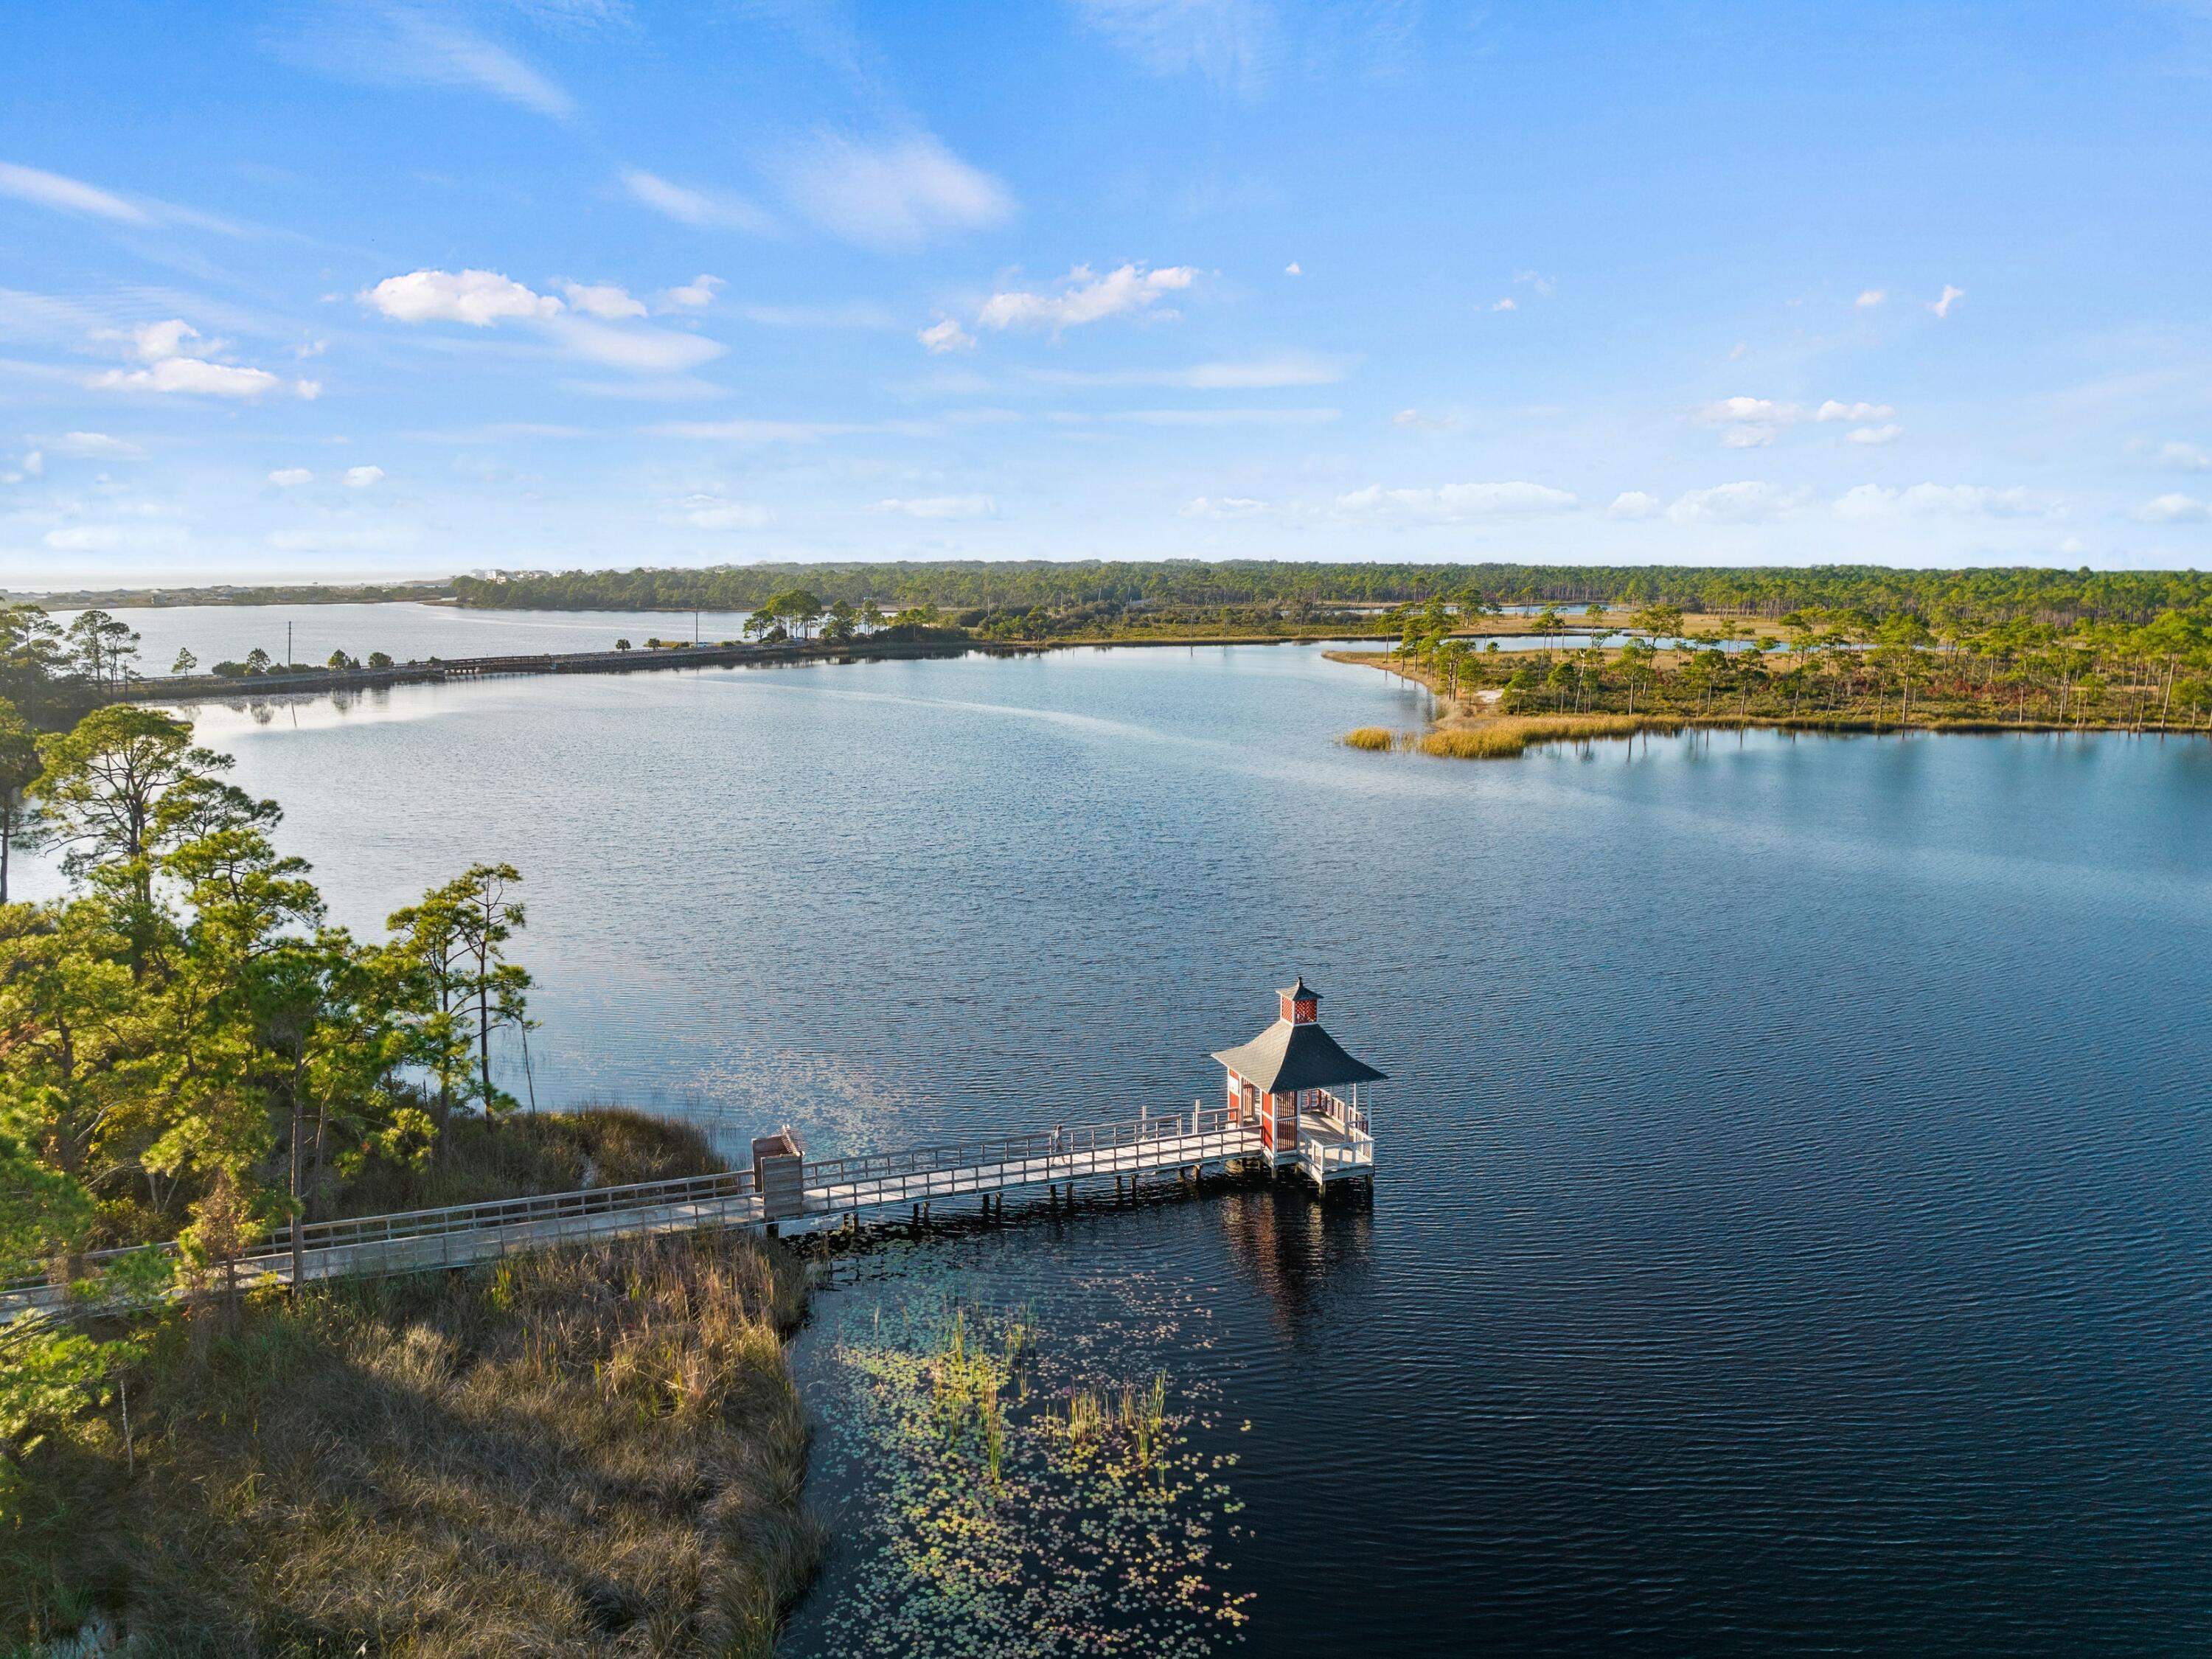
x: 1301, y: 990
x: 1287, y: 1057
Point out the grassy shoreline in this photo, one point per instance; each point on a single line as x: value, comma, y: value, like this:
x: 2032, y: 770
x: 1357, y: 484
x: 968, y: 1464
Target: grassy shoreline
x: 587, y: 1449
x: 1486, y: 724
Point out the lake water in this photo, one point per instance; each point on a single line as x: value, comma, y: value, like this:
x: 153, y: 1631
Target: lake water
x: 1791, y: 1228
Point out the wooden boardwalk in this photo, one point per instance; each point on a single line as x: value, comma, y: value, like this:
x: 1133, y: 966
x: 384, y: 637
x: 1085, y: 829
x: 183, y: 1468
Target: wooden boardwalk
x: 829, y: 1193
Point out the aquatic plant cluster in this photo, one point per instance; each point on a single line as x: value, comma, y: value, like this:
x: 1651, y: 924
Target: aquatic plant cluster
x: 1017, y: 1502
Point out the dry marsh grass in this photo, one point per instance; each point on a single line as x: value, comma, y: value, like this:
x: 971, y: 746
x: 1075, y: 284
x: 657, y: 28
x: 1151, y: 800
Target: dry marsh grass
x: 518, y: 1156
x: 1379, y: 739
x: 590, y: 1452
x: 1508, y: 736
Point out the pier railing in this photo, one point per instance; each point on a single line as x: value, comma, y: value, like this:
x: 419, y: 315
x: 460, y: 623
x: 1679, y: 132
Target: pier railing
x: 454, y: 1235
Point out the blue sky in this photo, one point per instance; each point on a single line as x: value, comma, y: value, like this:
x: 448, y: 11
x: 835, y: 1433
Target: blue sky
x: 348, y: 288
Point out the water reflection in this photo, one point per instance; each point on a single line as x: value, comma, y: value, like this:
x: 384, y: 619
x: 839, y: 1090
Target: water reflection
x: 1303, y: 1252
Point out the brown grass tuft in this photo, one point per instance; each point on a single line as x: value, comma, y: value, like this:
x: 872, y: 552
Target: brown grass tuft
x: 590, y: 1452
x: 1506, y: 738
x: 1377, y: 737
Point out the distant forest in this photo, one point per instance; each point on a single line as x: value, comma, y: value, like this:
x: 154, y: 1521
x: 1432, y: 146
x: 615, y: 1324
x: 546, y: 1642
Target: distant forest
x: 2056, y: 597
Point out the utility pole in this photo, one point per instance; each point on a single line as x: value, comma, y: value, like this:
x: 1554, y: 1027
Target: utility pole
x: 695, y: 627
x: 287, y: 645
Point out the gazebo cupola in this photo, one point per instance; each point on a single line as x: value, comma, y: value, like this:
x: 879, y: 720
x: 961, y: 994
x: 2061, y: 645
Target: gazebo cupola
x: 1295, y: 1078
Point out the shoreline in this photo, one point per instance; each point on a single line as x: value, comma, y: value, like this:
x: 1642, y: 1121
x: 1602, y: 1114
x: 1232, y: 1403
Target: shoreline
x: 1458, y: 718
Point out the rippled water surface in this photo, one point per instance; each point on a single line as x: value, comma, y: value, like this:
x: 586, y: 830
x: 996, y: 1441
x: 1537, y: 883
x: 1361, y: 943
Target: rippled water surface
x: 1791, y: 1228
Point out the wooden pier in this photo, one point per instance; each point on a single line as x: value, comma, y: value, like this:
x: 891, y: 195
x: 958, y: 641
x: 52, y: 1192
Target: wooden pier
x: 786, y: 1192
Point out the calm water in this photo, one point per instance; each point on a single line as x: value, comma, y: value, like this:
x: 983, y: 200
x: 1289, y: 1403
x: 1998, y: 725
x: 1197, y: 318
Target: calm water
x: 1791, y: 1233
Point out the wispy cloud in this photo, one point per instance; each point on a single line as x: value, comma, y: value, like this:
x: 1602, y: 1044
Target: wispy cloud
x: 694, y: 295
x: 893, y: 196
x: 391, y: 43
x: 1226, y: 417
x: 710, y: 512
x: 1083, y: 296
x: 1633, y: 504
x: 945, y: 334
x: 1230, y: 43
x: 1951, y: 297
x: 1288, y: 369
x: 941, y: 507
x: 51, y: 189
x: 1460, y: 503
x: 1753, y: 423
x: 2174, y: 509
x: 704, y: 210
x: 94, y: 446
x: 484, y: 299
x: 1870, y: 298
x: 1944, y: 500
x: 1225, y: 507
x: 603, y: 300
x: 1744, y: 502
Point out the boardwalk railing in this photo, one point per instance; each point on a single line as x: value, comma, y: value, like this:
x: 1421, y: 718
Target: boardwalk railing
x: 455, y: 1235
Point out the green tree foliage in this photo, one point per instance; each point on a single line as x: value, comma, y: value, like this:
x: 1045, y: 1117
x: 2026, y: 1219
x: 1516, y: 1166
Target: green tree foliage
x: 2057, y: 597
x: 190, y: 1050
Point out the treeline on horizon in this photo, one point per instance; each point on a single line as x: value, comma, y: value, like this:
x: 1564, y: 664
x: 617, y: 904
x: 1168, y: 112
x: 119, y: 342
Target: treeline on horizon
x: 1998, y: 594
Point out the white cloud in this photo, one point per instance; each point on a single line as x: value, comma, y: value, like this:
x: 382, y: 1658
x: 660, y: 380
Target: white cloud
x: 1291, y: 270
x: 941, y: 507
x: 389, y: 538
x: 759, y: 432
x: 2179, y: 458
x: 1455, y: 503
x: 1874, y: 434
x: 478, y: 298
x: 1743, y: 502
x: 850, y: 314
x: 1506, y: 304
x: 2174, y: 509
x: 483, y: 297
x: 1288, y: 369
x: 1226, y: 417
x: 602, y: 300
x: 1940, y: 501
x: 384, y: 43
x: 1224, y: 506
x: 1084, y: 298
x: 285, y: 476
x: 1425, y: 422
x: 945, y: 335
x: 640, y: 350
x: 94, y: 445
x: 1633, y: 504
x: 1951, y: 297
x: 1229, y: 42
x: 361, y: 477
x: 117, y: 538
x: 694, y: 295
x: 1752, y: 423
x: 1871, y: 298
x: 717, y: 513
x: 891, y: 197
x: 1545, y: 287
x: 193, y: 376
x: 706, y: 210
x: 51, y: 189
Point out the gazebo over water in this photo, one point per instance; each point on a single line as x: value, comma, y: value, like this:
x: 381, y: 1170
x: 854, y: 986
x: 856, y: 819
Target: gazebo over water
x: 1295, y: 1079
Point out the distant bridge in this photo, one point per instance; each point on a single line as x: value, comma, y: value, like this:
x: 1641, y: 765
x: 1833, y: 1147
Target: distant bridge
x: 786, y: 1192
